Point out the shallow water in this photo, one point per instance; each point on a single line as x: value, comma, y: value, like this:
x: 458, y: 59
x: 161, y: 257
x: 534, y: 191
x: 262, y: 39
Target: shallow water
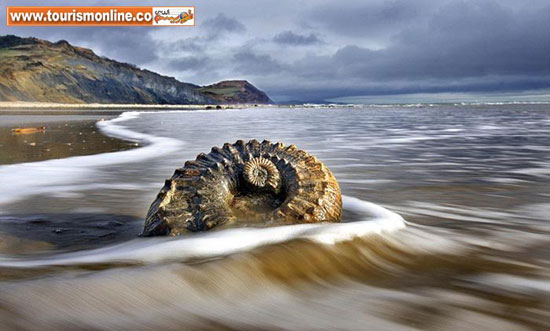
x: 471, y: 182
x: 64, y: 136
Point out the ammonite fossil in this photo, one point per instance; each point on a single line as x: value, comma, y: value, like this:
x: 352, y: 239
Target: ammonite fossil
x: 249, y: 183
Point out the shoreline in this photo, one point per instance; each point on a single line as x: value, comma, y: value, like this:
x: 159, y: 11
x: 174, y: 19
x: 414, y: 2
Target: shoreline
x: 34, y: 106
x: 23, y: 107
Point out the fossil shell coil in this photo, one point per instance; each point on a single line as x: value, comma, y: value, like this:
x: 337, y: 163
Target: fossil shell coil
x: 261, y: 173
x: 261, y: 182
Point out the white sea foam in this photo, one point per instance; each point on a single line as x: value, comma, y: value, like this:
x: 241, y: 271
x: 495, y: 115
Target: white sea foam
x: 470, y: 214
x: 365, y: 181
x: 489, y: 127
x: 376, y: 220
x: 19, y: 181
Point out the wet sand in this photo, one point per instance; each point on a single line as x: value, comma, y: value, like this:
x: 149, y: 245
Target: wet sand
x: 65, y: 135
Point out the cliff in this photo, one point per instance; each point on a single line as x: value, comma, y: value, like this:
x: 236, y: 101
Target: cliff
x: 37, y: 70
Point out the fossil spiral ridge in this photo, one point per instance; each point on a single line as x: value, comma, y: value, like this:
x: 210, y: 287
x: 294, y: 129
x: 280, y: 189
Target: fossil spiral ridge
x: 247, y: 182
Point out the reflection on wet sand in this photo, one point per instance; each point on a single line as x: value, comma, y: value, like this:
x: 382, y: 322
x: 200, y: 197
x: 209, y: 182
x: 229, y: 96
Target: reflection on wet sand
x: 62, y: 136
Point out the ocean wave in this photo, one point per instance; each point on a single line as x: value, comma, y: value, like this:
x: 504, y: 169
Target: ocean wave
x: 375, y: 219
x: 61, y: 176
x: 419, y: 104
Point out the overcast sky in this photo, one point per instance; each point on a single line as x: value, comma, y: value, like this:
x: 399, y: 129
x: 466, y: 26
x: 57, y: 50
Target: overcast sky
x: 339, y: 50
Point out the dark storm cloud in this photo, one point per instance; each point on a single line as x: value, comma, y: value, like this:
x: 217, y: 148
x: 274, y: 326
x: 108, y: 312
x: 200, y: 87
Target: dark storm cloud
x: 222, y: 23
x: 291, y: 38
x: 367, y: 47
x: 211, y: 29
x: 367, y: 18
x: 200, y: 62
x: 461, y: 46
x: 326, y: 90
x: 127, y: 44
x: 248, y: 62
x: 190, y: 62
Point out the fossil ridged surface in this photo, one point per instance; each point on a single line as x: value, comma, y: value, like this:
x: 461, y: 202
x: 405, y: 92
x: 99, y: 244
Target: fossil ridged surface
x: 245, y: 182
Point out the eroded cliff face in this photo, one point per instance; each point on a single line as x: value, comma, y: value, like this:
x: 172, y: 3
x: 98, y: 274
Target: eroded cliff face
x: 41, y: 71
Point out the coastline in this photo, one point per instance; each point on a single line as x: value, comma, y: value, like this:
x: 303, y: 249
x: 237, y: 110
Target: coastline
x: 31, y: 108
x: 113, y: 107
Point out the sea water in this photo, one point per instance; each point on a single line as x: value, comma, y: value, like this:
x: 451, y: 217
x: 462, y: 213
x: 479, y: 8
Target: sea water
x: 445, y: 226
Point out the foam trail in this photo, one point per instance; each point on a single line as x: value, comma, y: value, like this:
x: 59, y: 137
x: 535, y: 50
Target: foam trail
x: 376, y: 219
x: 25, y: 179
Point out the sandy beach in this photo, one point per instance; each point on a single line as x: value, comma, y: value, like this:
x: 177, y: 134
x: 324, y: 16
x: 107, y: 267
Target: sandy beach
x: 109, y: 107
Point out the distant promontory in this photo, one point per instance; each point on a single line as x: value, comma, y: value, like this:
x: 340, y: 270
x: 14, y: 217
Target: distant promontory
x: 35, y: 70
